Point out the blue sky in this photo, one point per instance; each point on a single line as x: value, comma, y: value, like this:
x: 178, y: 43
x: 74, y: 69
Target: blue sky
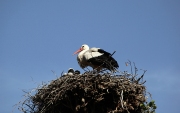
x: 39, y: 36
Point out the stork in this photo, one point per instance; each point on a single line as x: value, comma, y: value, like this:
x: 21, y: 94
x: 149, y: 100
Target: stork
x: 96, y: 58
x: 70, y: 72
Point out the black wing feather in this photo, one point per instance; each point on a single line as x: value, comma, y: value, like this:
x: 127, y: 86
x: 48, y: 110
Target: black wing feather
x: 105, y: 60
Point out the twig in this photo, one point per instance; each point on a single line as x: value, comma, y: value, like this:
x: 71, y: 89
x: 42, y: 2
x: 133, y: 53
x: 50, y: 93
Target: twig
x: 54, y: 73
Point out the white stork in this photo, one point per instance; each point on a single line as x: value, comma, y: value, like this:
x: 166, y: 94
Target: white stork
x: 96, y: 58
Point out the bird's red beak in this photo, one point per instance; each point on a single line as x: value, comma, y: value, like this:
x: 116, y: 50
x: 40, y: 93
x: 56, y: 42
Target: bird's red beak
x: 79, y: 50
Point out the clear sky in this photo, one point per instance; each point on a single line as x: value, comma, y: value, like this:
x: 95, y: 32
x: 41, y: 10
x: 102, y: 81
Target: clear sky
x: 39, y: 36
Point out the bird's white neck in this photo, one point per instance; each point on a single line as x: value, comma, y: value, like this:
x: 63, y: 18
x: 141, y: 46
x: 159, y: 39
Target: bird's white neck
x: 82, y: 52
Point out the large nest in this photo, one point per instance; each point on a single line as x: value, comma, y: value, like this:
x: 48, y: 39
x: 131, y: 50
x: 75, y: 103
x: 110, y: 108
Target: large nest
x: 89, y: 93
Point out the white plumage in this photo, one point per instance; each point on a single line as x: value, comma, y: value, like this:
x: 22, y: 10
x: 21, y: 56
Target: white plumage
x: 96, y: 58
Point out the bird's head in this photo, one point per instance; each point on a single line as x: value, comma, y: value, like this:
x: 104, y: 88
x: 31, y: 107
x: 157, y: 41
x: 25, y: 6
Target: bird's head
x: 83, y: 47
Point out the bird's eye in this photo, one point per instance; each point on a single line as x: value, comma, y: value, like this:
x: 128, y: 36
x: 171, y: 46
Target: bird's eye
x: 82, y: 46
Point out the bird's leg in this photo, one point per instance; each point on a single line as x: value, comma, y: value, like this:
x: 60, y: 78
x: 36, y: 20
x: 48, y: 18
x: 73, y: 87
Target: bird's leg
x: 87, y: 69
x: 102, y: 70
x: 84, y: 70
x: 97, y: 68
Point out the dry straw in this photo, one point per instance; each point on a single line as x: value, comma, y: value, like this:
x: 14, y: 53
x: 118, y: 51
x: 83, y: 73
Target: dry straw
x: 88, y: 93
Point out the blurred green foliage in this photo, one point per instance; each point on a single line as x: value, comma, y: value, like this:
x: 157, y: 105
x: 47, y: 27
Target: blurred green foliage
x: 148, y: 107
